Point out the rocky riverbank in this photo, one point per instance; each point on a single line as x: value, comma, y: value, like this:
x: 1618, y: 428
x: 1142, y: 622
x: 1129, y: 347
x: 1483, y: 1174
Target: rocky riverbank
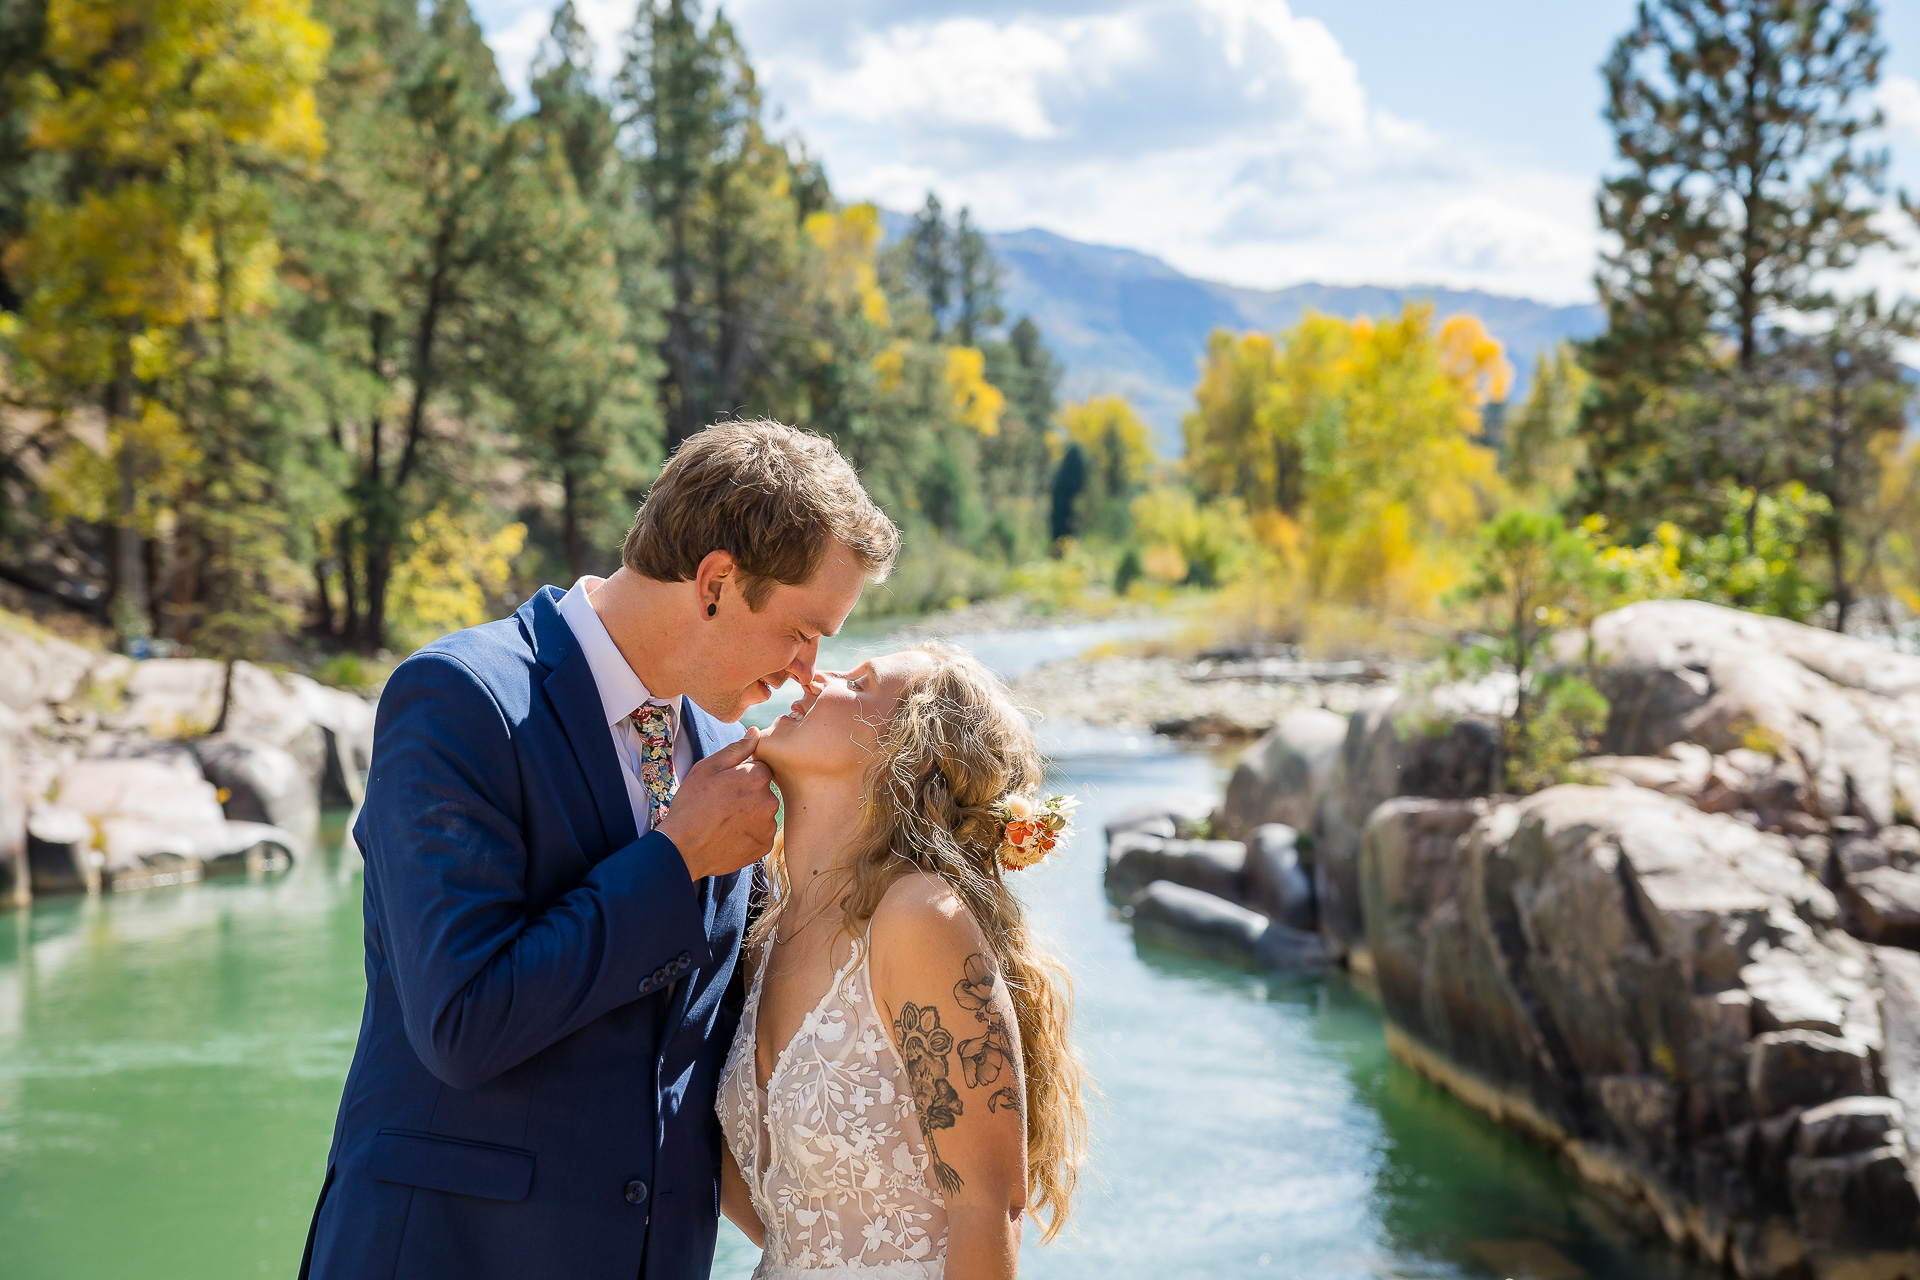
x: 1693, y: 982
x: 113, y: 777
x: 1208, y: 698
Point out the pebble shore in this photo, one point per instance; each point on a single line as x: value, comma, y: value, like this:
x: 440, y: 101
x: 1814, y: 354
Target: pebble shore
x: 1177, y: 696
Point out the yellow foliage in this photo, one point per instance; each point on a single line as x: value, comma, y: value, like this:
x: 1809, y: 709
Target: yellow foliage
x: 1108, y: 428
x: 1356, y: 444
x: 84, y: 485
x: 1475, y: 358
x: 846, y: 239
x: 890, y: 363
x: 977, y: 403
x: 452, y: 573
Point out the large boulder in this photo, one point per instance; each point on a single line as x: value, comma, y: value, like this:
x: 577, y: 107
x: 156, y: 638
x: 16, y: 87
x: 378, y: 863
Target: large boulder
x: 1883, y: 905
x: 156, y: 821
x: 1443, y: 744
x: 15, y: 880
x: 1191, y: 920
x: 1842, y: 711
x: 1281, y: 777
x: 260, y: 783
x: 346, y: 725
x: 1663, y: 995
x: 1134, y: 860
x: 1179, y: 817
x: 179, y: 698
x: 37, y: 668
x: 1279, y: 882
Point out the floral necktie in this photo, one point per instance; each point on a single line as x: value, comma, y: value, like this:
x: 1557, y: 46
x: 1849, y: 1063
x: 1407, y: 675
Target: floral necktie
x: 656, y: 759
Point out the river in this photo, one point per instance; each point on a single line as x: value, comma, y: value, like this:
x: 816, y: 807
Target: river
x: 170, y: 1063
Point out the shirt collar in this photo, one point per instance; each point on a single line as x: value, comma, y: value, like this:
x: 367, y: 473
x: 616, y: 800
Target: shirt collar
x: 621, y: 691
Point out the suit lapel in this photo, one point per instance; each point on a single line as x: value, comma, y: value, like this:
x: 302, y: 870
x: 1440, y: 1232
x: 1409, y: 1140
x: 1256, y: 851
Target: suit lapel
x: 576, y: 701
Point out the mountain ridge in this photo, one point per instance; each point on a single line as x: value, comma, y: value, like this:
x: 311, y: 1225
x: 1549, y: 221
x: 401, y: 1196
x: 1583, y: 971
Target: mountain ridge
x: 1123, y: 322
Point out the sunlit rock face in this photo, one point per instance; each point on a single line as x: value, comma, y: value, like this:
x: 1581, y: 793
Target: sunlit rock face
x: 1667, y: 995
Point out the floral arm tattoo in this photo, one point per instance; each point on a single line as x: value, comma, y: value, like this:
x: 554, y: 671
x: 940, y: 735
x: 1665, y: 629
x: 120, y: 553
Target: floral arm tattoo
x: 924, y: 1045
x: 988, y: 1056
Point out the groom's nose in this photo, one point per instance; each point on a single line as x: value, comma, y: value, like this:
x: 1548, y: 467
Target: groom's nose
x: 801, y: 668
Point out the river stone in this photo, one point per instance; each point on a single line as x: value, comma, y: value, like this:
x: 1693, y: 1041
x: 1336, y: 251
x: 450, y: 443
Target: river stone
x: 260, y: 783
x: 1443, y: 744
x: 1843, y: 710
x: 1169, y: 817
x: 1277, y: 883
x: 60, y: 854
x: 1217, y: 867
x: 1189, y: 919
x: 1280, y: 778
x: 1884, y: 903
x: 1860, y: 1203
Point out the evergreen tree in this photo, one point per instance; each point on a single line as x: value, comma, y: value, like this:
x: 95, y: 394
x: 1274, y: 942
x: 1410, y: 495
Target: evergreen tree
x: 930, y: 262
x: 1744, y: 180
x: 976, y: 276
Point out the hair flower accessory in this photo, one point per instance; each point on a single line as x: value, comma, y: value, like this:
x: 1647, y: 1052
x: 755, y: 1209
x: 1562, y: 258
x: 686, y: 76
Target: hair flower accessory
x: 1032, y: 830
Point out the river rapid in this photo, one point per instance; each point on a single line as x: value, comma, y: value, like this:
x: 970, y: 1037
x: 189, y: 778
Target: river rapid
x: 170, y: 1063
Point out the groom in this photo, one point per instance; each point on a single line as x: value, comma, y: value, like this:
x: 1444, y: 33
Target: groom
x: 556, y: 823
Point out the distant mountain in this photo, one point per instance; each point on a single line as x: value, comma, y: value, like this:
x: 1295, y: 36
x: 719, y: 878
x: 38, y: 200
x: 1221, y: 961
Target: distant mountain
x: 1126, y: 323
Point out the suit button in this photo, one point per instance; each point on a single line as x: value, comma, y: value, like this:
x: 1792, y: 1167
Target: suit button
x: 636, y: 1192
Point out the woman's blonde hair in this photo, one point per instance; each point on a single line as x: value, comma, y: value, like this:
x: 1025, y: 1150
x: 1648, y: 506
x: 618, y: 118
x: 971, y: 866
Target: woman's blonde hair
x: 954, y: 748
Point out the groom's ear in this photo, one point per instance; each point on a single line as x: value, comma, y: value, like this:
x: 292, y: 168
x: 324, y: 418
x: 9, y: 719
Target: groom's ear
x: 717, y: 569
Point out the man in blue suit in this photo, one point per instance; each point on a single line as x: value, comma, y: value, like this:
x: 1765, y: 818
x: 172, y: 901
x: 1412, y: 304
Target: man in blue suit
x: 557, y: 827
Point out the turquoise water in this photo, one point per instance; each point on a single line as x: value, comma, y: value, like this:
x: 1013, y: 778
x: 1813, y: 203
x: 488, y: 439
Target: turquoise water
x: 170, y: 1062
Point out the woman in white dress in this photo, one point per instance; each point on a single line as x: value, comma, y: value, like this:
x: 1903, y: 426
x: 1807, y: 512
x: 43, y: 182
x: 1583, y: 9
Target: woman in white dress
x: 901, y: 1090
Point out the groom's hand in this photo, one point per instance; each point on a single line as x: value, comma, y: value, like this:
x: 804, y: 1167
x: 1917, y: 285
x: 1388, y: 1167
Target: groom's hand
x: 722, y: 815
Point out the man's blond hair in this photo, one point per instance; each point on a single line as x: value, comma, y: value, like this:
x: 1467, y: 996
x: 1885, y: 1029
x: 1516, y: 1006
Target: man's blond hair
x: 771, y: 496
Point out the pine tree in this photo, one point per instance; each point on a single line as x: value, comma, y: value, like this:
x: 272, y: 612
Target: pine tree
x: 1745, y: 178
x: 930, y: 261
x: 976, y: 275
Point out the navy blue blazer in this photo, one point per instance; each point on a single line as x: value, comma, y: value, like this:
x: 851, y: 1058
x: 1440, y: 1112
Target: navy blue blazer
x: 548, y: 997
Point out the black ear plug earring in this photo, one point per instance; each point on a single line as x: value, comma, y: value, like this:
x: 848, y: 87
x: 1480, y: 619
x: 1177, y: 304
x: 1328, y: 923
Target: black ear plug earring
x: 712, y: 609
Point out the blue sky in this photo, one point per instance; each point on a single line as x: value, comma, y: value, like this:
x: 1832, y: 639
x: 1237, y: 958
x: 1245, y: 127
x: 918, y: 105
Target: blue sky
x: 1260, y: 142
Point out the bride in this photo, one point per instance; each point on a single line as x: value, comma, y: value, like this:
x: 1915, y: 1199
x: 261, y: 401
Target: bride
x: 901, y: 1090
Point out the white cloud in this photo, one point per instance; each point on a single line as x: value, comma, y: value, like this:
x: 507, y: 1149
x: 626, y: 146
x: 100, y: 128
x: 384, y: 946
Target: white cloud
x: 1898, y: 98
x: 1232, y: 137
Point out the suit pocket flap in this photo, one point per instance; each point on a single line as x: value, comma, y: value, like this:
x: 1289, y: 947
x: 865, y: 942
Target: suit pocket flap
x: 451, y: 1164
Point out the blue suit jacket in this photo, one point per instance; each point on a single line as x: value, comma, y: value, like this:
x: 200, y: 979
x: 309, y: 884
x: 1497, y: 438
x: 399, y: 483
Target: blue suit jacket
x: 548, y: 997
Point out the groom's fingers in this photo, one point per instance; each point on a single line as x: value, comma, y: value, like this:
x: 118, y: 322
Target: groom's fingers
x: 722, y: 817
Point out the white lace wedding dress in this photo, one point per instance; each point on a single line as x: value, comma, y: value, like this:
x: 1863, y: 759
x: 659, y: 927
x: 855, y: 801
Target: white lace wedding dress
x: 832, y: 1151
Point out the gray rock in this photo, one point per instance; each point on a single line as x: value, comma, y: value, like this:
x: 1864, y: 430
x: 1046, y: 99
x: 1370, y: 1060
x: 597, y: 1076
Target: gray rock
x: 1281, y: 777
x: 1804, y: 1069
x: 1842, y: 710
x: 1217, y: 867
x: 1169, y: 817
x: 250, y: 848
x: 259, y: 783
x: 60, y: 853
x: 346, y: 723
x: 1188, y: 919
x: 1862, y: 1202
x: 1283, y: 948
x: 15, y: 879
x: 1443, y: 745
x: 38, y: 669
x: 1847, y: 1125
x: 1897, y: 976
x: 158, y: 822
x: 1277, y: 882
x: 179, y: 698
x: 1884, y: 903
x: 1661, y: 993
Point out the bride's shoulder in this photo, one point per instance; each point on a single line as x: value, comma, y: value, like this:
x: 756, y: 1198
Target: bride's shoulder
x: 920, y: 925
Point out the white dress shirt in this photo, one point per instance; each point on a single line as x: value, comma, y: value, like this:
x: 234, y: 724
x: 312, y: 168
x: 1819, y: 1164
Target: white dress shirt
x: 621, y: 694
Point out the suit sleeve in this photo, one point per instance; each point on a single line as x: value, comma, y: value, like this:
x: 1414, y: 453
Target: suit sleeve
x: 484, y: 985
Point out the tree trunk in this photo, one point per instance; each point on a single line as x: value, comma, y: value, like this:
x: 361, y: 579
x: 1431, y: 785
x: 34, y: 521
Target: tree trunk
x: 570, y: 524
x: 226, y: 697
x: 129, y: 605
